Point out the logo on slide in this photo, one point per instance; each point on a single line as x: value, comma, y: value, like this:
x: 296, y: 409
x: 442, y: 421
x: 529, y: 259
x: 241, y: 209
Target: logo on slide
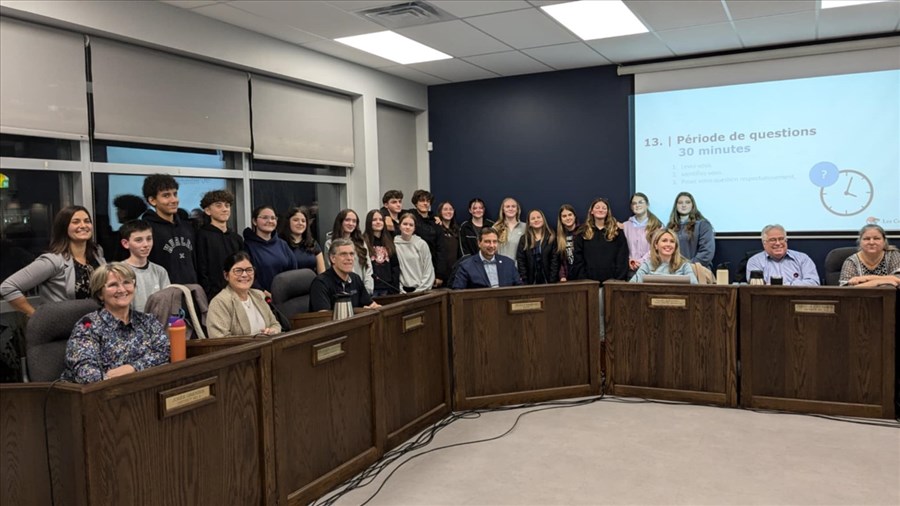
x: 843, y: 192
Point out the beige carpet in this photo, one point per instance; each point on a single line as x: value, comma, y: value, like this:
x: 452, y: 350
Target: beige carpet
x: 646, y: 454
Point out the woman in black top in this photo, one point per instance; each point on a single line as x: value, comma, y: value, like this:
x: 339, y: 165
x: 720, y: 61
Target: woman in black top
x: 468, y: 231
x: 601, y: 251
x: 385, y: 267
x: 566, y: 229
x: 536, y: 256
x: 449, y: 240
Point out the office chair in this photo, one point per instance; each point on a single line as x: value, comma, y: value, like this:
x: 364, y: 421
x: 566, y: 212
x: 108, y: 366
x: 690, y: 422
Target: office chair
x: 834, y: 261
x: 290, y: 291
x: 47, y: 333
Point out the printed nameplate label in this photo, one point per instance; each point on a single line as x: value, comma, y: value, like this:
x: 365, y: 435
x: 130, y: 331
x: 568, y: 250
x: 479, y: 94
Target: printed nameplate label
x: 413, y: 321
x: 329, y: 350
x: 669, y: 302
x: 812, y: 308
x: 187, y: 397
x: 526, y: 306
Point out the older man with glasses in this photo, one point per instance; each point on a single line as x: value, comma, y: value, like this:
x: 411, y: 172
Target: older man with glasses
x: 777, y: 261
x: 340, y: 280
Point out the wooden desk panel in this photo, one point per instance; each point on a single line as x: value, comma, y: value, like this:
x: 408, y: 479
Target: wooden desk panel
x: 197, y: 347
x: 822, y: 350
x: 672, y: 342
x: 112, y: 443
x: 325, y: 405
x: 525, y: 344
x: 415, y: 354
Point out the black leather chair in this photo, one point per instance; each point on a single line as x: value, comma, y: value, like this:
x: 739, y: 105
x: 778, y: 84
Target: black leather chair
x: 834, y: 261
x: 47, y: 333
x: 290, y: 291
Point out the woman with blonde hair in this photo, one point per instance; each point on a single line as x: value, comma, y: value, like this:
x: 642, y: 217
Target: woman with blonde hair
x: 665, y: 258
x: 509, y: 229
x: 601, y: 252
x: 876, y: 263
x: 639, y: 229
x: 536, y: 256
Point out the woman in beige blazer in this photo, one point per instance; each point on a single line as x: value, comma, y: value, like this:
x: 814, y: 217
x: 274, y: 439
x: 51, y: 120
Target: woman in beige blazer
x: 240, y: 310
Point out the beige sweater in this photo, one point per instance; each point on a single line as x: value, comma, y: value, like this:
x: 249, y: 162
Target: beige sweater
x: 227, y: 318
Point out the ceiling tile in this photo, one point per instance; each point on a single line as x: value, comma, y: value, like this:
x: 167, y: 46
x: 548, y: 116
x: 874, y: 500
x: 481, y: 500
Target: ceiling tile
x: 413, y: 75
x: 453, y: 70
x: 189, y: 4
x: 701, y: 39
x: 523, y: 29
x: 360, y: 5
x: 237, y: 17
x: 455, y: 38
x: 796, y: 27
x: 858, y: 20
x: 745, y: 9
x: 466, y: 8
x: 314, y: 17
x: 668, y: 14
x: 567, y: 56
x: 348, y: 53
x: 509, y: 63
x: 631, y: 48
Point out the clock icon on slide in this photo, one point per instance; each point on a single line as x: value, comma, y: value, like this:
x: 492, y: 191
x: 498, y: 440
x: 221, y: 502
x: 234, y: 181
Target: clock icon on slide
x: 850, y: 194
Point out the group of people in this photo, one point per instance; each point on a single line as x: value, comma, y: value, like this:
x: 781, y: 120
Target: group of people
x: 397, y: 251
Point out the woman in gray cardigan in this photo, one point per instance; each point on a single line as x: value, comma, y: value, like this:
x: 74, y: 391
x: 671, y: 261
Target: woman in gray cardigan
x: 64, y: 272
x: 240, y: 310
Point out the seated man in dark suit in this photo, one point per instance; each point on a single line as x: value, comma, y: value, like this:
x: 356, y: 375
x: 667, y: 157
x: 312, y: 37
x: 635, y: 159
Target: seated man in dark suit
x: 487, y: 269
x: 339, y: 280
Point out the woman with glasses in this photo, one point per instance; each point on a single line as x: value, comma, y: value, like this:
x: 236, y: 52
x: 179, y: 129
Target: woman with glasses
x: 876, y: 263
x: 239, y: 309
x: 638, y: 231
x: 114, y: 340
x: 269, y: 253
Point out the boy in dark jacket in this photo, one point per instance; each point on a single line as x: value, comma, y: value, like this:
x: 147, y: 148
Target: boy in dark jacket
x: 173, y: 238
x: 215, y: 242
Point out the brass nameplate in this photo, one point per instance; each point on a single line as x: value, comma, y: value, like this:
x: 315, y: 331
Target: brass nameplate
x: 669, y: 302
x: 329, y: 350
x: 187, y: 397
x: 413, y: 321
x: 526, y: 306
x: 811, y: 308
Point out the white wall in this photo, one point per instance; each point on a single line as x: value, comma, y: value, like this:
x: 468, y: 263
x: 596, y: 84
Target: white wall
x: 169, y: 28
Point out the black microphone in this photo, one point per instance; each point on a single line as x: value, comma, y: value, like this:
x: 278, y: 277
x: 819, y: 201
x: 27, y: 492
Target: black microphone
x: 395, y: 287
x: 279, y: 315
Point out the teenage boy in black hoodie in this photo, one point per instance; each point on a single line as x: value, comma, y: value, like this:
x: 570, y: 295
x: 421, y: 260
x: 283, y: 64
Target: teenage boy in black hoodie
x: 173, y: 238
x: 215, y: 242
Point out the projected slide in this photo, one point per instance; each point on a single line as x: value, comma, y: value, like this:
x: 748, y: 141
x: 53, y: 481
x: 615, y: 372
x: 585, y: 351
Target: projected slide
x: 816, y: 154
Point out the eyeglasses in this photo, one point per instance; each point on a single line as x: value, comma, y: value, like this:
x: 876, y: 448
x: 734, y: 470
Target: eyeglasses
x: 237, y: 271
x: 776, y: 240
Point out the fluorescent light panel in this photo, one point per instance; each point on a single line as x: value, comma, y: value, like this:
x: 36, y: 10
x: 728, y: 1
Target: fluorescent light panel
x: 833, y: 4
x: 394, y: 47
x: 596, y: 19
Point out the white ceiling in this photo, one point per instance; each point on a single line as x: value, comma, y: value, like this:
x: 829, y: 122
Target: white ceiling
x: 509, y: 37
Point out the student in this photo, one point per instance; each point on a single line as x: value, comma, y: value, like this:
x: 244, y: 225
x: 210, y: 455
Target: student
x: 665, y: 258
x: 346, y: 226
x: 382, y: 254
x: 428, y: 229
x: 509, y: 229
x: 468, y: 231
x: 215, y: 241
x: 339, y: 280
x: 695, y: 233
x: 601, y: 252
x: 566, y: 229
x: 294, y: 229
x: 416, y: 267
x: 269, y: 253
x: 487, y: 269
x: 638, y: 231
x: 537, y: 259
x: 149, y: 278
x: 445, y: 218
x: 64, y: 272
x: 392, y: 201
x: 173, y: 247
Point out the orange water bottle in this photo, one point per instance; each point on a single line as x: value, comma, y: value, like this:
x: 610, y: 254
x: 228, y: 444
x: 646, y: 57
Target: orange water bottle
x: 177, y: 346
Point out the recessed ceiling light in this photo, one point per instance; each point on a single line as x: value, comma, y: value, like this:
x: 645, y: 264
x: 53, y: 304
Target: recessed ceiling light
x: 833, y: 4
x: 596, y: 19
x: 394, y: 47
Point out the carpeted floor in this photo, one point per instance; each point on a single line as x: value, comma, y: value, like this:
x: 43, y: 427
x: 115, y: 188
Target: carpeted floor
x: 630, y: 452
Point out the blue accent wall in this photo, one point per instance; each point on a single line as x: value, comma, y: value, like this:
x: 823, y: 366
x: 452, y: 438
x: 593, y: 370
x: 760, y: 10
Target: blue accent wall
x: 549, y: 139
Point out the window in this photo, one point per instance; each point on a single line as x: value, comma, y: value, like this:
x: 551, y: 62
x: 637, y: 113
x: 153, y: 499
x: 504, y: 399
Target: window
x: 297, y: 168
x: 149, y: 154
x: 324, y: 201
x: 21, y: 146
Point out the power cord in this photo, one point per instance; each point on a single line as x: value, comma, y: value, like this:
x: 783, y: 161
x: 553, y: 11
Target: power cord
x: 47, y: 441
